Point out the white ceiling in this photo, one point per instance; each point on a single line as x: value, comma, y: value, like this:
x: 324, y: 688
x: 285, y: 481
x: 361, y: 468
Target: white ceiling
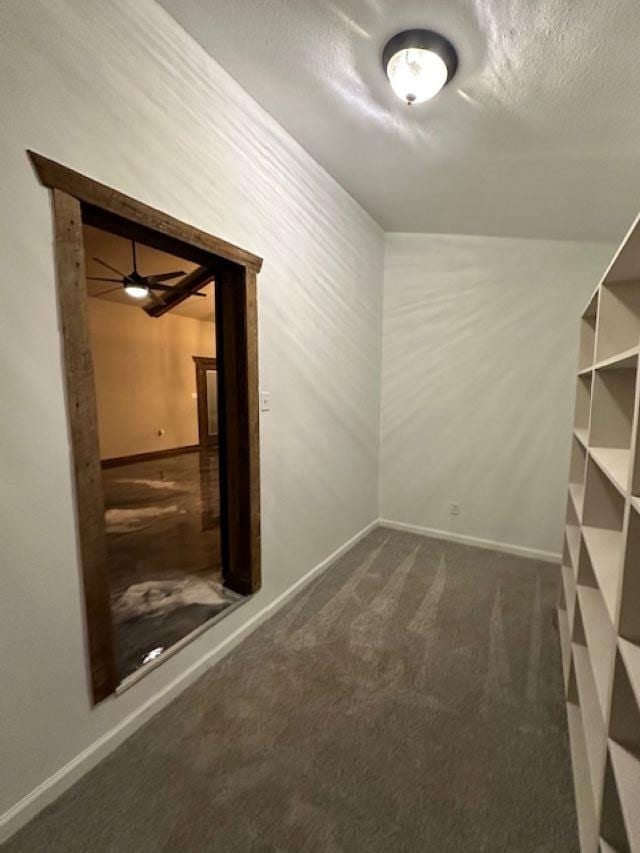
x: 538, y: 135
x: 116, y: 251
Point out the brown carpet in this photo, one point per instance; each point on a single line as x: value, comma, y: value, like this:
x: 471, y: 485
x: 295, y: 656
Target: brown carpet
x: 410, y: 699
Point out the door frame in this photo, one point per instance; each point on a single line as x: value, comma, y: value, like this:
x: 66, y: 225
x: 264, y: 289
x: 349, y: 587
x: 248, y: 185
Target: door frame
x: 204, y: 364
x: 79, y: 200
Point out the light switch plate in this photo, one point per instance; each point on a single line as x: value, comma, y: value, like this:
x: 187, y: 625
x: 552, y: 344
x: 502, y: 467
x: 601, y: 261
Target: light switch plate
x: 265, y: 401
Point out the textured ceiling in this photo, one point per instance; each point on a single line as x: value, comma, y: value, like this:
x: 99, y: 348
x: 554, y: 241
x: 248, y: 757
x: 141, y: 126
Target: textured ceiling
x: 537, y: 136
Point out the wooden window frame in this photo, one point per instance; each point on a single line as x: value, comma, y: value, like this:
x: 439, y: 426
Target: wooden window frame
x: 79, y: 200
x: 202, y: 365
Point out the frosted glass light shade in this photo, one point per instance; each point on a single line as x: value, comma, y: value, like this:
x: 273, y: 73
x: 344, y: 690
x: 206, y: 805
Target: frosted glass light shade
x: 416, y: 75
x: 137, y: 291
x: 418, y: 64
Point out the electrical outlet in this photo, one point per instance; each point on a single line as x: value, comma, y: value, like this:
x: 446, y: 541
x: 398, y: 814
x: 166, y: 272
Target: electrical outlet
x: 455, y: 508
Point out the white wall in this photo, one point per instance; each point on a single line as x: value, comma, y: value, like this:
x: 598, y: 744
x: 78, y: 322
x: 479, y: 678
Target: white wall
x: 479, y: 359
x: 119, y: 92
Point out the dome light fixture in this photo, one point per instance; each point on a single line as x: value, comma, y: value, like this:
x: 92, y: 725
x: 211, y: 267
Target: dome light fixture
x: 418, y: 64
x: 137, y: 291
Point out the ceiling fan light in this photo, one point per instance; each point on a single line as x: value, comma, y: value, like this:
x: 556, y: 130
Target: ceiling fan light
x: 136, y: 291
x: 418, y: 64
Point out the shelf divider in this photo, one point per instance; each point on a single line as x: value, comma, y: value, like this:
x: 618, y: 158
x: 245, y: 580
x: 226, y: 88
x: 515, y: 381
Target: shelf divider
x: 626, y: 768
x: 615, y: 462
x: 605, y: 549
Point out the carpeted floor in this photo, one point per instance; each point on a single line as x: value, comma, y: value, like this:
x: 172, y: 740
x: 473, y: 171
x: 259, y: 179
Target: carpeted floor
x: 410, y: 699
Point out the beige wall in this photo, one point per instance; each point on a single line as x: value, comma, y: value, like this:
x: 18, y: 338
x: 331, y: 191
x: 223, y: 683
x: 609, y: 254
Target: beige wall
x: 145, y: 377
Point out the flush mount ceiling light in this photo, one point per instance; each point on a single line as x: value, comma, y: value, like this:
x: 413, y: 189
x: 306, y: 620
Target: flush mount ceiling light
x: 418, y: 64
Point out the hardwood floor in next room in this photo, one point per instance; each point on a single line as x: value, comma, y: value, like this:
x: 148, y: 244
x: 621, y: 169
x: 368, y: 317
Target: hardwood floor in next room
x: 409, y: 699
x: 164, y: 554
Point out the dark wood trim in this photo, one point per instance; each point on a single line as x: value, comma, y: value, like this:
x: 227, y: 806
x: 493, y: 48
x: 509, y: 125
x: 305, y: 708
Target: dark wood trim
x: 115, y: 461
x: 83, y: 425
x: 143, y: 233
x: 252, y: 403
x: 77, y: 200
x: 203, y: 364
x: 236, y: 324
x: 207, y: 362
x: 223, y: 423
x: 56, y: 176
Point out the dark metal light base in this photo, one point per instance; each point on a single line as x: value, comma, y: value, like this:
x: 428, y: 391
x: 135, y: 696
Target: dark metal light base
x: 422, y: 40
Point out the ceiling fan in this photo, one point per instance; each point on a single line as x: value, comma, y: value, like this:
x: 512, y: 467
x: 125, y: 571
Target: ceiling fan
x: 135, y: 284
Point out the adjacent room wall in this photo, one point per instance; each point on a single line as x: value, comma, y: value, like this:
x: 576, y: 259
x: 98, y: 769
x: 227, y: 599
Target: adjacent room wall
x: 145, y: 377
x: 479, y: 360
x: 119, y: 92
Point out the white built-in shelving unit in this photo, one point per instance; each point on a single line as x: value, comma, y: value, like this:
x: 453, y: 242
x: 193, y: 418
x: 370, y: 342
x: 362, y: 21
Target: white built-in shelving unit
x: 599, y: 614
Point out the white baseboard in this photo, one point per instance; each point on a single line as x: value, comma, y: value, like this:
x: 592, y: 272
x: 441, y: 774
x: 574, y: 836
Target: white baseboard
x: 49, y: 790
x: 505, y: 547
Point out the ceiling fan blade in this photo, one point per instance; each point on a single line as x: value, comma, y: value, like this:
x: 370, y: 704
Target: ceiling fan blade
x: 166, y: 288
x: 104, y: 292
x: 153, y: 285
x: 109, y: 267
x: 165, y: 276
x: 100, y: 278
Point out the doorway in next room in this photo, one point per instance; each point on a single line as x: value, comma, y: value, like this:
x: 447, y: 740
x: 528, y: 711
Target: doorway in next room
x: 157, y: 401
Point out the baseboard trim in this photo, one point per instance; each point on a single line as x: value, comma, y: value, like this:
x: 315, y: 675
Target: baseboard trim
x: 116, y: 461
x: 504, y: 547
x: 55, y: 785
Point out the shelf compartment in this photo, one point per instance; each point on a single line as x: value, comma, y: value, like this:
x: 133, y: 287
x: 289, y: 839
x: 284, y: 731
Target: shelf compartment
x: 615, y: 463
x: 569, y: 591
x: 577, y: 468
x: 624, y: 746
x: 624, y: 724
x: 630, y: 599
x: 578, y: 637
x: 578, y: 461
x: 592, y: 720
x: 565, y: 643
x: 612, y: 409
x: 582, y: 404
x: 577, y: 496
x: 571, y: 547
x: 626, y: 770
x: 604, y: 548
x: 585, y: 803
x: 619, y: 318
x: 635, y: 479
x: 613, y: 825
x: 582, y: 434
x: 588, y: 334
x: 619, y: 360
x: 603, y: 519
x: 630, y: 655
x: 593, y: 728
x: 601, y: 642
